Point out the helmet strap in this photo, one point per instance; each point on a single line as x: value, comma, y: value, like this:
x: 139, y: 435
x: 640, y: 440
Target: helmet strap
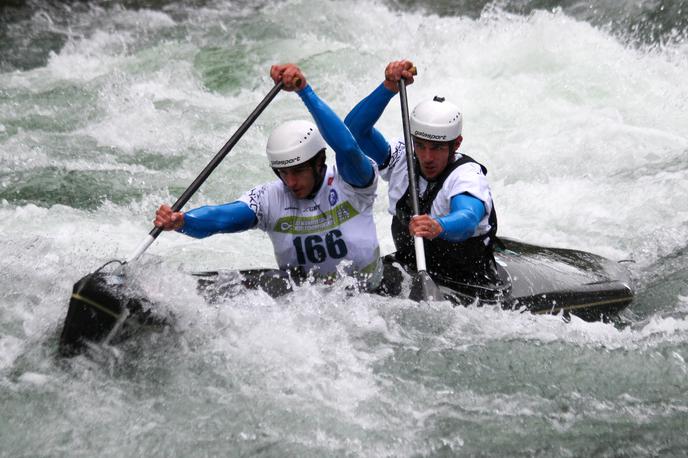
x: 319, y: 168
x: 451, y: 146
x: 454, y: 148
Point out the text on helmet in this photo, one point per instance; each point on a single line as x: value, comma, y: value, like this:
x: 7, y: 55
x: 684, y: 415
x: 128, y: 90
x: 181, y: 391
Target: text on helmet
x: 419, y: 133
x: 285, y: 161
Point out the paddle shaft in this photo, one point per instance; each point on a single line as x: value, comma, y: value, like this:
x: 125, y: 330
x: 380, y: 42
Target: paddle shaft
x: 200, y: 179
x: 410, y: 161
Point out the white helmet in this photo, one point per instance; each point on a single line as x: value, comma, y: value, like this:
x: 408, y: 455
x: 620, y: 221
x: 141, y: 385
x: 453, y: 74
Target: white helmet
x: 293, y: 143
x: 436, y: 120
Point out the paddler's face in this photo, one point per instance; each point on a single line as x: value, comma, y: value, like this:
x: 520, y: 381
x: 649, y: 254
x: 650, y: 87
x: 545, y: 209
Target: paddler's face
x: 300, y: 179
x: 433, y: 157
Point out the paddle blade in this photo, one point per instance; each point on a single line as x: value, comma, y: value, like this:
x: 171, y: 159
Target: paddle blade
x: 94, y: 309
x: 423, y: 288
x: 104, y: 309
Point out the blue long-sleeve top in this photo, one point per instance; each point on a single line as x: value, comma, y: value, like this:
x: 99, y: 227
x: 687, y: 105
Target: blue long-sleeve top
x: 463, y: 219
x: 352, y: 164
x: 212, y: 219
x: 466, y: 210
x: 361, y: 121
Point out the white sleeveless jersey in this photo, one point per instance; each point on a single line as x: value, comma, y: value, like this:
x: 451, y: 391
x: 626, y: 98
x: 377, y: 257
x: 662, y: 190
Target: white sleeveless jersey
x: 335, y: 227
x: 467, y: 178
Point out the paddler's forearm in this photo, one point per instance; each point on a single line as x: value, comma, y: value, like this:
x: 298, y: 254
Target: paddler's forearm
x: 354, y: 167
x: 363, y: 117
x: 205, y: 221
x: 461, y: 223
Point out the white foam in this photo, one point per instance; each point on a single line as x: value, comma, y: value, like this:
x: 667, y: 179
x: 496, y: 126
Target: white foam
x: 578, y: 130
x: 585, y: 140
x: 34, y: 378
x: 10, y: 348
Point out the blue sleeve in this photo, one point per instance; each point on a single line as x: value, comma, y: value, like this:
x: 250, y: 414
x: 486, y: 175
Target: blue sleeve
x: 361, y: 120
x: 354, y: 167
x: 462, y: 221
x: 204, y: 221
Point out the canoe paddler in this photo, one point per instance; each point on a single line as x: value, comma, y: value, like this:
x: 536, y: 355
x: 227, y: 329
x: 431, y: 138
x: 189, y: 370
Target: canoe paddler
x: 319, y: 217
x: 457, y: 218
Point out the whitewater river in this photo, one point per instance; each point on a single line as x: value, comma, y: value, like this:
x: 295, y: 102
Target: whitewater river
x: 107, y: 109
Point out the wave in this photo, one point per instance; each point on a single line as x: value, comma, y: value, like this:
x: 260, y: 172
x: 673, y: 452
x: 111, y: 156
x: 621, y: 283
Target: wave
x: 32, y: 29
x: 640, y: 22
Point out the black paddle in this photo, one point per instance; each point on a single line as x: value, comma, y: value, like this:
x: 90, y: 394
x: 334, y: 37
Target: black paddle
x: 186, y: 195
x: 97, y: 309
x: 422, y: 286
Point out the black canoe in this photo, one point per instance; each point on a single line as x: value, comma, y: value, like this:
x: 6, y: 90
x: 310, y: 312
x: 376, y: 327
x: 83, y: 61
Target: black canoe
x: 104, y: 308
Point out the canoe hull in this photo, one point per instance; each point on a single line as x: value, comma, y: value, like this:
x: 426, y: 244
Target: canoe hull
x: 536, y: 279
x: 554, y: 280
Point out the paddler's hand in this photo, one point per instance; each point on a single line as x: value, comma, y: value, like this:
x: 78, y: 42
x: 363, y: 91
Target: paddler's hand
x: 290, y: 74
x: 397, y: 70
x: 425, y: 226
x: 168, y: 220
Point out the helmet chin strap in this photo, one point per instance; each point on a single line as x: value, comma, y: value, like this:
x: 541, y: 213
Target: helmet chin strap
x: 318, y: 178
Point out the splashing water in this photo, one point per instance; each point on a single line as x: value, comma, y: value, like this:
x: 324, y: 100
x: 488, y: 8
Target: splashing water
x: 109, y: 108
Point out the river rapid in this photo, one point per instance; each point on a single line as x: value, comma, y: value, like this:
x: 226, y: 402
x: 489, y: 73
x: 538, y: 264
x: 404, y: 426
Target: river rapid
x: 578, y: 109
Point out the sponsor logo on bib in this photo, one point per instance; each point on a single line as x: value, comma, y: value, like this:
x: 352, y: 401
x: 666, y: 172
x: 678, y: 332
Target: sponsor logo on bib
x: 333, y: 197
x: 322, y: 222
